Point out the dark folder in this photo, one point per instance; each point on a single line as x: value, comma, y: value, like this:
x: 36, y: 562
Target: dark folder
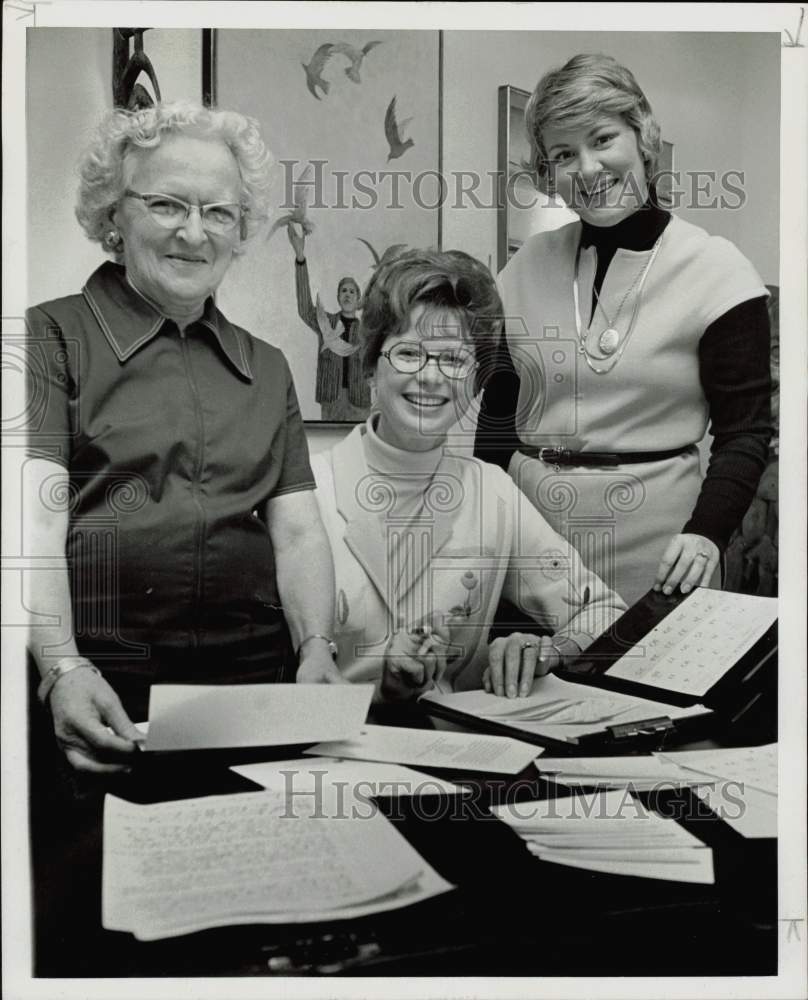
x: 748, y: 685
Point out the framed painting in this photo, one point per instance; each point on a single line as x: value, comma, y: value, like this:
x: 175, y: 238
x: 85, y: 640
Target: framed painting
x: 353, y: 121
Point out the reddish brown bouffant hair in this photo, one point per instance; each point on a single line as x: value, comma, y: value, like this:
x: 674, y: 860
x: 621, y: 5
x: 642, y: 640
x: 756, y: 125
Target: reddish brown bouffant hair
x: 455, y: 289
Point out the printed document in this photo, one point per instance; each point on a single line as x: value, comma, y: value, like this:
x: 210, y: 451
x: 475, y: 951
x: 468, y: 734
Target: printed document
x: 177, y: 867
x: 692, y: 648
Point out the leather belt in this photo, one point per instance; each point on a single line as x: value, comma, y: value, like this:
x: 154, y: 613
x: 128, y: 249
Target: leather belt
x: 563, y: 456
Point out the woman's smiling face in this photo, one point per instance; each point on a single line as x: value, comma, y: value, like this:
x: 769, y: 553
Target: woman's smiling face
x: 598, y: 170
x: 177, y: 269
x: 417, y: 410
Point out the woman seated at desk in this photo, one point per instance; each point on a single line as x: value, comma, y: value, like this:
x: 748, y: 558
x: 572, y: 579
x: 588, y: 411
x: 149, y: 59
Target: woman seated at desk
x: 425, y: 541
x: 169, y: 479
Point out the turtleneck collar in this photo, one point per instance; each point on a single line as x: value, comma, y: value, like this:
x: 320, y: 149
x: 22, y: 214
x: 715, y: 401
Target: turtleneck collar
x: 385, y: 458
x: 637, y: 232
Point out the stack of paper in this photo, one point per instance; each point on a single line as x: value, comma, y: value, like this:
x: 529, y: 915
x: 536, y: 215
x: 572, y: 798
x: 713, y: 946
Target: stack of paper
x: 560, y: 709
x: 609, y: 831
x: 178, y: 867
x: 641, y: 773
x: 743, y: 789
x: 427, y: 748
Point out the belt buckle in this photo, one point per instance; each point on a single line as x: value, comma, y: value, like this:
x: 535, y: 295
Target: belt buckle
x: 553, y: 456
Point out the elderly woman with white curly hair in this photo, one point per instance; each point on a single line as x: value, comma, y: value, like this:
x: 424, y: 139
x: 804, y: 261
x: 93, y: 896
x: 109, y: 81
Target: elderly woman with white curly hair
x: 168, y: 470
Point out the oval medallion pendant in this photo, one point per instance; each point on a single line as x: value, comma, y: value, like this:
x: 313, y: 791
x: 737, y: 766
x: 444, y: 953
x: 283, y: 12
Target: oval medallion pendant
x: 609, y: 341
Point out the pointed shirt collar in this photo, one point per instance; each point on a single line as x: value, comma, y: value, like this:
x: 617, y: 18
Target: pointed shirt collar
x: 129, y: 321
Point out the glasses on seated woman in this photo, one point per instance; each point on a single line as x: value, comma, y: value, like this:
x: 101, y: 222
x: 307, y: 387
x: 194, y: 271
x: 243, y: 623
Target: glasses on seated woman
x: 409, y: 357
x: 426, y: 540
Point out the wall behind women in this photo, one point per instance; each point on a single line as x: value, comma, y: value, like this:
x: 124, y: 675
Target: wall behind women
x: 716, y: 97
x: 69, y: 87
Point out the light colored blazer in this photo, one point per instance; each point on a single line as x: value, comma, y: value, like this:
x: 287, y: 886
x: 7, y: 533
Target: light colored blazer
x: 478, y: 539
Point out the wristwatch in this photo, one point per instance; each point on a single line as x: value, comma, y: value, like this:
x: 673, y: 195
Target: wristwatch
x: 332, y: 646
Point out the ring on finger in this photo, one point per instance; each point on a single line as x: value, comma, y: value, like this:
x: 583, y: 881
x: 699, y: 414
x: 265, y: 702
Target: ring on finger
x: 701, y: 554
x: 529, y: 645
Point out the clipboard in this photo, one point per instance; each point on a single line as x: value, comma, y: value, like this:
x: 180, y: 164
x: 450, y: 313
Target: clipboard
x: 750, y: 683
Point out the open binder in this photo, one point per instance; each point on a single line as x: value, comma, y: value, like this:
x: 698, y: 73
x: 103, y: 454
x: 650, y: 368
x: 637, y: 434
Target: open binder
x: 710, y: 649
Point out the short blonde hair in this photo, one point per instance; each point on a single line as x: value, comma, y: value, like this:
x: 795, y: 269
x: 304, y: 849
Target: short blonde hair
x: 587, y: 87
x: 101, y: 166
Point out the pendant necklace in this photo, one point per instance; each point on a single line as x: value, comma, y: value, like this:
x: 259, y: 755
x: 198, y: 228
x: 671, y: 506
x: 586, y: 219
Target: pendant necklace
x: 609, y: 344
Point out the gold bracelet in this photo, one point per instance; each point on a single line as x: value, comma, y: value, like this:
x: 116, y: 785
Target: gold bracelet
x: 59, y: 669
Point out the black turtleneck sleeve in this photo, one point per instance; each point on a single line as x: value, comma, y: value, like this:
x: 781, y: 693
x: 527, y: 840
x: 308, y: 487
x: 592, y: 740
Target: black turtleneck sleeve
x: 734, y: 366
x: 496, y: 439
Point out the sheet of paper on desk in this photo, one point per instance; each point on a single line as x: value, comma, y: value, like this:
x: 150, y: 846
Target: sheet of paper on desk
x: 745, y: 785
x: 697, y: 643
x: 559, y: 709
x: 176, y: 867
x: 751, y: 812
x: 428, y: 748
x: 363, y: 778
x: 755, y: 767
x: 642, y: 773
x: 205, y: 717
x: 692, y: 866
x: 609, y: 831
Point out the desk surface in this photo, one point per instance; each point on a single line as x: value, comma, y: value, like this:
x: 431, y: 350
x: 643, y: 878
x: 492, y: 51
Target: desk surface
x: 511, y: 914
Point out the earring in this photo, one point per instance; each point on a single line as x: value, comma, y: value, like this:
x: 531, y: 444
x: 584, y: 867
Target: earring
x: 112, y: 240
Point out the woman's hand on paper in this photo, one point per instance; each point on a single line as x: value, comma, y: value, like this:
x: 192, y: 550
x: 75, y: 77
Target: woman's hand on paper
x: 689, y: 561
x: 414, y: 658
x: 514, y: 661
x: 91, y: 725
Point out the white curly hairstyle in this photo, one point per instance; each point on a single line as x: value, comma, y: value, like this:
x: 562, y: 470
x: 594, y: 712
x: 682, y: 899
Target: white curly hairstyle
x: 101, y: 170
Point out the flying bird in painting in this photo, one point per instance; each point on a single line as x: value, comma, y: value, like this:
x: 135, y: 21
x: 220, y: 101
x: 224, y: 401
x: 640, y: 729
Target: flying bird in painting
x: 389, y: 253
x: 355, y: 55
x: 314, y: 70
x: 392, y: 132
